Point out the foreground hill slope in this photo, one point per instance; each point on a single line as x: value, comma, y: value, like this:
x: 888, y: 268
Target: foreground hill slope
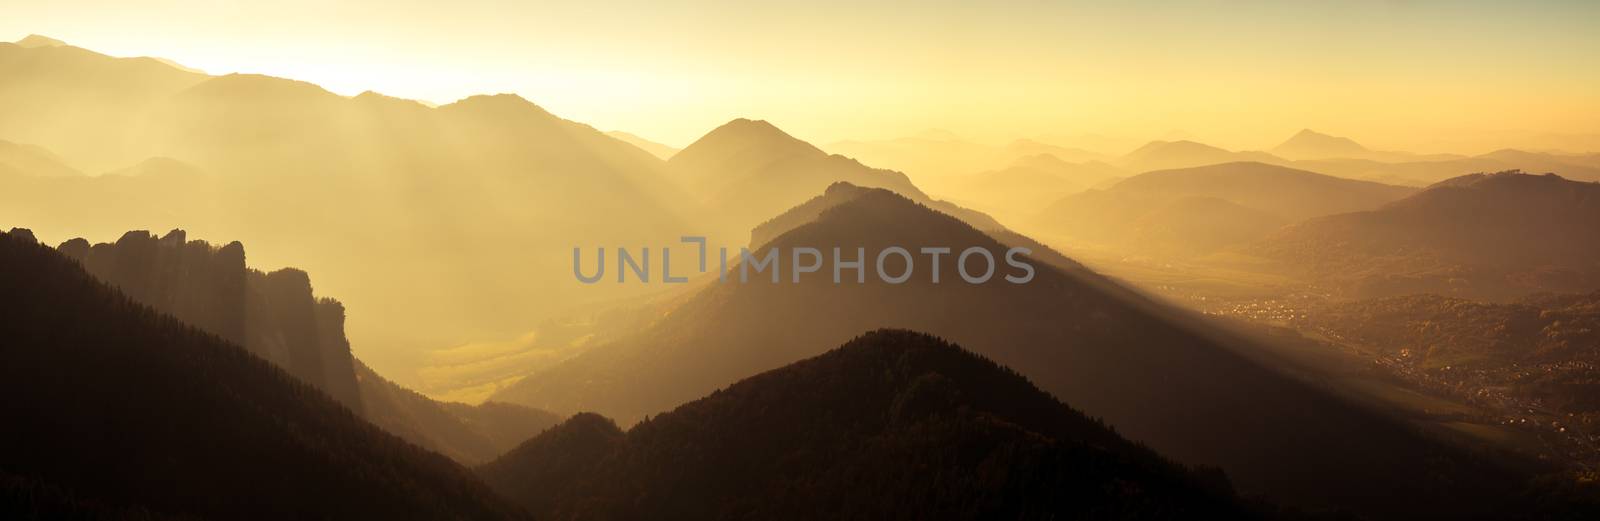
x: 1148, y: 370
x: 892, y: 425
x: 1494, y: 236
x: 118, y: 409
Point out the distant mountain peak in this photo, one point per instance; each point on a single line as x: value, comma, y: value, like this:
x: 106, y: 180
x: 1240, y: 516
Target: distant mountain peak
x: 1182, y: 146
x: 1312, y: 144
x: 35, y: 41
x: 752, y: 129
x: 742, y: 134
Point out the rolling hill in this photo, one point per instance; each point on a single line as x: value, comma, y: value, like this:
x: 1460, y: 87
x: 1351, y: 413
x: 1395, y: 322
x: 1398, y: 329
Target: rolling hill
x: 1494, y: 236
x: 1195, y: 211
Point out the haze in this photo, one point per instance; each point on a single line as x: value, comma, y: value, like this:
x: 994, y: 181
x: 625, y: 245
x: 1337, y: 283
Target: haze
x: 1464, y: 77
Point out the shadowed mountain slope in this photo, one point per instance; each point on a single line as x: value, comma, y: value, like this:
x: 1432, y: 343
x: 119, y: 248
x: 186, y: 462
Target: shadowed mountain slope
x: 1158, y: 376
x: 893, y: 424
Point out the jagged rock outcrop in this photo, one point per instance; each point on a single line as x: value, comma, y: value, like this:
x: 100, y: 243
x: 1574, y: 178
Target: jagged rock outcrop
x: 273, y: 315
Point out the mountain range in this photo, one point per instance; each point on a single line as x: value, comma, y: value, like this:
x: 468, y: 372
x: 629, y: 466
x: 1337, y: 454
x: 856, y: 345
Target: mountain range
x: 1159, y: 377
x: 1199, y: 210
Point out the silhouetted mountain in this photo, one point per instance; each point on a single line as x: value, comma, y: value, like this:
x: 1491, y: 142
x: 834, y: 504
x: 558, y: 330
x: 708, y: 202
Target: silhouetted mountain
x: 1160, y: 376
x: 115, y: 411
x: 273, y: 315
x: 1199, y: 210
x: 469, y: 434
x: 893, y: 424
x: 748, y: 170
x: 1492, y: 236
x: 656, y: 149
x: 1164, y: 155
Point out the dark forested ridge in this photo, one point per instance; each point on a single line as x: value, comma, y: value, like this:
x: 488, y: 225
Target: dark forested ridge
x: 114, y: 410
x: 892, y: 425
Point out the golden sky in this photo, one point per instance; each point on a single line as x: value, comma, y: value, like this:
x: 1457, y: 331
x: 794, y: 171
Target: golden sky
x: 1419, y: 75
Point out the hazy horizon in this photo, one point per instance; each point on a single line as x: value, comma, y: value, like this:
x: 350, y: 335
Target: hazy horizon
x: 1415, y: 76
x: 1007, y: 260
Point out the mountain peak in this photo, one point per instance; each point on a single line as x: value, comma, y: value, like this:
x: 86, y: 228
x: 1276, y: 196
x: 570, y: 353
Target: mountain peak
x: 33, y: 41
x: 1182, y: 146
x: 1310, y: 144
x: 753, y: 138
x: 750, y: 129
